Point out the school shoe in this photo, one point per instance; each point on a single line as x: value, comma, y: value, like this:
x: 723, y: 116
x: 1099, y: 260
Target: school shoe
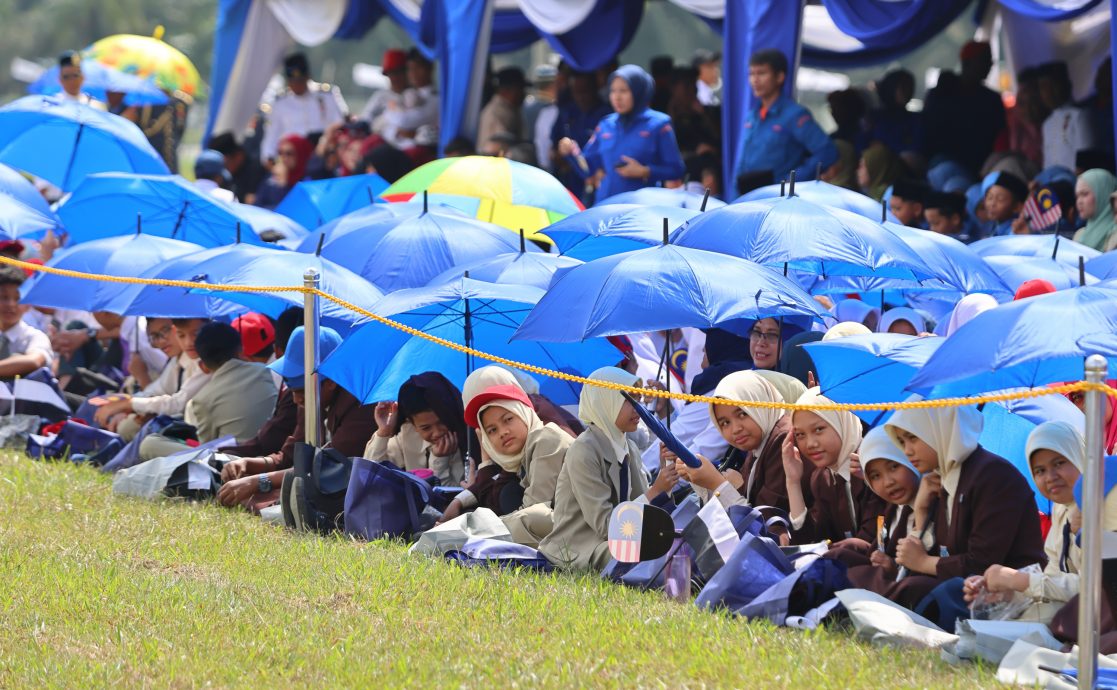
x: 285, y: 500
x: 300, y: 508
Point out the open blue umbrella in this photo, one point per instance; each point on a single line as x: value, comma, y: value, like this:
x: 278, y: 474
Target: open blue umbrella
x: 659, y: 288
x: 795, y: 234
x: 111, y: 204
x: 1026, y: 343
x: 1104, y: 266
x: 819, y: 192
x: 63, y: 141
x: 127, y: 256
x: 356, y: 221
x: 1015, y: 270
x: 272, y: 227
x: 17, y: 219
x: 19, y: 187
x: 661, y: 196
x: 99, y: 80
x: 614, y: 228
x: 376, y: 359
x: 315, y: 202
x: 396, y: 252
x: 535, y: 269
x: 1046, y: 246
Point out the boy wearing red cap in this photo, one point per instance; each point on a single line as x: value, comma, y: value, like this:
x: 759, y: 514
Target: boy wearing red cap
x: 394, y: 67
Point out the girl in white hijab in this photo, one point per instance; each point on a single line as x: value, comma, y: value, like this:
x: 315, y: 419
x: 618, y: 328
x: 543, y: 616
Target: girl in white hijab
x: 843, y: 506
x: 602, y: 468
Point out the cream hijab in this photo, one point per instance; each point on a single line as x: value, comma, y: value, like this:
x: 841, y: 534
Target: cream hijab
x: 599, y: 407
x: 1060, y: 437
x: 845, y: 423
x: 484, y: 379
x: 952, y: 432
x: 509, y: 463
x: 750, y: 386
x: 789, y: 387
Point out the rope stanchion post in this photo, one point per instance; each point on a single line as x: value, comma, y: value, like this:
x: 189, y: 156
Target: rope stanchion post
x: 1089, y: 598
x: 311, y: 280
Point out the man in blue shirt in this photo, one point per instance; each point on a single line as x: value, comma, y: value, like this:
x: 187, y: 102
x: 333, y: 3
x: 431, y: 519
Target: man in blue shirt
x: 780, y: 135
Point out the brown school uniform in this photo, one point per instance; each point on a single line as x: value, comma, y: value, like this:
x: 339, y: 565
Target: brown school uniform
x: 828, y: 513
x: 860, y: 569
x: 769, y: 486
x: 348, y: 426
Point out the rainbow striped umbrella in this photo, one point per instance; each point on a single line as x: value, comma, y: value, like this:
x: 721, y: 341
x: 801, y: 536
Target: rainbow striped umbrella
x: 497, y: 190
x: 149, y: 56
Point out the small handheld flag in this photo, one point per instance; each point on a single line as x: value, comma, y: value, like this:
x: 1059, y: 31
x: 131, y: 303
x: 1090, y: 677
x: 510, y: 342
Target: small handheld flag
x: 1042, y: 209
x: 639, y: 532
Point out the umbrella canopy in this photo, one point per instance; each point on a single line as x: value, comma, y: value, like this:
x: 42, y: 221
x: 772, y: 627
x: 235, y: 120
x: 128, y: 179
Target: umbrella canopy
x: 108, y: 204
x: 376, y: 359
x: 1104, y: 266
x: 98, y: 80
x: 826, y: 194
x: 792, y: 233
x: 20, y: 188
x: 64, y: 141
x: 660, y: 196
x: 356, y: 221
x: 148, y: 57
x: 1045, y: 246
x: 659, y: 288
x: 535, y: 269
x: 530, y: 220
x: 1015, y: 270
x: 397, y: 252
x: 1027, y: 343
x: 272, y: 227
x: 315, y: 202
x: 17, y: 219
x: 614, y: 228
x: 515, y: 195
x: 126, y: 256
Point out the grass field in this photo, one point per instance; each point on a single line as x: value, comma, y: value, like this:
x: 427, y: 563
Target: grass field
x: 101, y: 591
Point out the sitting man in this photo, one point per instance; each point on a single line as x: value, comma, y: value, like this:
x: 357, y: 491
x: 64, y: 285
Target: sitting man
x: 348, y: 426
x: 234, y: 402
x: 180, y: 381
x: 23, y: 348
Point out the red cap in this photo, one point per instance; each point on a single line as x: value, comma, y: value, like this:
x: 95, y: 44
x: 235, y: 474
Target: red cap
x: 1034, y: 288
x: 491, y: 395
x: 256, y: 332
x: 394, y: 59
x: 976, y: 49
x: 33, y: 260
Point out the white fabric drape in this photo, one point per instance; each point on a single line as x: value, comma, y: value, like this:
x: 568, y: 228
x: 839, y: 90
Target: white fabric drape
x: 263, y: 44
x: 310, y: 22
x: 556, y: 16
x: 710, y: 9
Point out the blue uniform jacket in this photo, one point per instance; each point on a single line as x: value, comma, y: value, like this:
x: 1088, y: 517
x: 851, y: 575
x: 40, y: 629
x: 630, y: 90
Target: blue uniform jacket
x: 648, y: 138
x: 785, y: 138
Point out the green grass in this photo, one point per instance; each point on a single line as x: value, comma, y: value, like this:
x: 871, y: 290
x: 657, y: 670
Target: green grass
x: 101, y: 591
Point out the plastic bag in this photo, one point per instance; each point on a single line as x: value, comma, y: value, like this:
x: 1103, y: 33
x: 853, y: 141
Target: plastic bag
x: 1002, y: 606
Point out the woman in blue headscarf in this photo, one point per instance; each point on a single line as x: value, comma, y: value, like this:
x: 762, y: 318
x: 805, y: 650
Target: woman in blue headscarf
x: 634, y: 147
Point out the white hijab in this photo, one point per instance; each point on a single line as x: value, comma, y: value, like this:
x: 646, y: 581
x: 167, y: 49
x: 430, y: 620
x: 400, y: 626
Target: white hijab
x: 845, y: 329
x: 509, y: 463
x: 484, y: 379
x: 967, y: 308
x: 599, y: 406
x: 952, y: 432
x: 1060, y: 437
x: 845, y: 423
x: 902, y: 314
x: 877, y: 445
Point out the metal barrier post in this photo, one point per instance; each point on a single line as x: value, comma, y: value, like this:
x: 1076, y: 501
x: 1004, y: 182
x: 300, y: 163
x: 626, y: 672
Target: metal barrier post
x: 1089, y: 596
x: 311, y: 279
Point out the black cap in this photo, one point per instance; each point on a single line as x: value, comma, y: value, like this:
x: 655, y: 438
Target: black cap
x: 510, y: 77
x: 703, y: 56
x: 911, y: 190
x: 662, y: 65
x: 296, y: 66
x: 946, y: 203
x: 71, y: 58
x: 1017, y: 187
x: 1087, y: 159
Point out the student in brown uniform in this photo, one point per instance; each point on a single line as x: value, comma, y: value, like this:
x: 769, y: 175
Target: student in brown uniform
x: 982, y: 509
x: 843, y: 505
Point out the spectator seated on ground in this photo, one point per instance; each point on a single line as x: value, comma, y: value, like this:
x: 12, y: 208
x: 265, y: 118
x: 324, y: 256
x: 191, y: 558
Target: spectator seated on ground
x: 234, y: 402
x: 23, y: 349
x: 178, y: 384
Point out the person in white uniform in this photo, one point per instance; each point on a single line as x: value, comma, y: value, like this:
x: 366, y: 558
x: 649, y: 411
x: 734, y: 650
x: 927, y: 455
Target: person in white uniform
x: 307, y: 108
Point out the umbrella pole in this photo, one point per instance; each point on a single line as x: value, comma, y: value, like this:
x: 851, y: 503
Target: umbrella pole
x: 312, y: 428
x: 181, y: 216
x: 667, y: 379
x: 469, y: 460
x: 1093, y: 479
x: 73, y: 156
x: 1081, y: 270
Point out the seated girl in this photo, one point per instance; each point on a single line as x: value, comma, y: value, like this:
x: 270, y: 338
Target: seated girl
x: 895, y: 480
x: 982, y: 510
x: 1056, y: 452
x: 424, y: 429
x: 602, y: 468
x: 844, y: 506
x: 521, y: 460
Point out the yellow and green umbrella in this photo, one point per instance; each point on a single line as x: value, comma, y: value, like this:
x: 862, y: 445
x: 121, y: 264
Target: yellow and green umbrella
x: 149, y: 56
x: 497, y: 190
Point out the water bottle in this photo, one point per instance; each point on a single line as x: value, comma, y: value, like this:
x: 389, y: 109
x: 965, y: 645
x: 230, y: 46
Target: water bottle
x: 676, y: 581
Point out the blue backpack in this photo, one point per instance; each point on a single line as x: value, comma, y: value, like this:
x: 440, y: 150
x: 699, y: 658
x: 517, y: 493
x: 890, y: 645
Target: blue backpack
x: 385, y: 501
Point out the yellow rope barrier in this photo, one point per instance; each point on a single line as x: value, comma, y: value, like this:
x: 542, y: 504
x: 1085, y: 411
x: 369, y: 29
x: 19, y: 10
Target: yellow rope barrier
x: 542, y: 371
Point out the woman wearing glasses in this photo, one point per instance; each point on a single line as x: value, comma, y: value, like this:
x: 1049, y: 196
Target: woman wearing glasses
x: 765, y: 343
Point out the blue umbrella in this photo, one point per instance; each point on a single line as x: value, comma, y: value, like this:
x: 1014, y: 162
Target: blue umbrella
x: 614, y: 228
x: 17, y: 219
x: 376, y: 359
x: 110, y: 204
x: 1026, y: 343
x: 819, y: 192
x: 1047, y: 246
x: 315, y: 202
x: 535, y: 269
x: 63, y: 141
x: 660, y: 196
x: 794, y: 234
x: 270, y: 226
x: 15, y: 185
x: 356, y: 221
x: 659, y: 288
x: 100, y: 79
x: 1104, y: 266
x: 397, y: 252
x: 125, y: 256
x: 1015, y: 270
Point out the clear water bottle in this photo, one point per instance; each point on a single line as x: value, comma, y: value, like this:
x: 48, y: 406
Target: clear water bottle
x: 676, y: 581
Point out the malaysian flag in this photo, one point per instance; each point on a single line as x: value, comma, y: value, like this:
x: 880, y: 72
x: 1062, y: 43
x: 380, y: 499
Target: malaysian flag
x: 1042, y: 209
x: 625, y: 531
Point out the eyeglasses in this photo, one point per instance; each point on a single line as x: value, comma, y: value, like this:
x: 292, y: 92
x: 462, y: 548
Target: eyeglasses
x: 159, y: 336
x: 770, y: 338
x: 70, y: 75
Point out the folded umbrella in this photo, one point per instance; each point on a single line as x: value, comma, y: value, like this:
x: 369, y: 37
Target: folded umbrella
x: 614, y: 228
x: 315, y: 202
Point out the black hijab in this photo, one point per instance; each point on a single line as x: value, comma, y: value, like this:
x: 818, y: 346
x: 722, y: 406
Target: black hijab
x: 431, y: 391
